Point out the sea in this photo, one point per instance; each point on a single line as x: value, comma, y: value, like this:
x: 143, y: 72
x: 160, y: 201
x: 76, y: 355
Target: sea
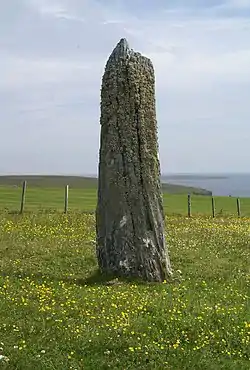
x: 235, y: 185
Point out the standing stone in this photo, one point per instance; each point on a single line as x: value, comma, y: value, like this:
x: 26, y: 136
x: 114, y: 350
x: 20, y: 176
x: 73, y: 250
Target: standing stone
x: 129, y: 214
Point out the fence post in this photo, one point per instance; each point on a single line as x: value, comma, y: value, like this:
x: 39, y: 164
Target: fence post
x: 23, y: 196
x: 213, y: 207
x: 66, y: 198
x: 189, y: 205
x: 238, y: 207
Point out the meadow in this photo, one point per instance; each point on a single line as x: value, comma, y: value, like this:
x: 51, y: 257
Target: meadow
x: 58, y: 312
x: 84, y: 199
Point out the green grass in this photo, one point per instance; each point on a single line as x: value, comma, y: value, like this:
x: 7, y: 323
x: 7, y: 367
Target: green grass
x: 57, y: 312
x: 85, y: 200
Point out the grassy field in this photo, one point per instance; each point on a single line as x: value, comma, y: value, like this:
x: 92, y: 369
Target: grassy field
x: 57, y: 312
x: 47, y: 193
x: 85, y: 200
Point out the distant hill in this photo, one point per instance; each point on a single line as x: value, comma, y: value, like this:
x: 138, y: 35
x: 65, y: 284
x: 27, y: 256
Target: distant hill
x: 79, y: 182
x: 181, y: 189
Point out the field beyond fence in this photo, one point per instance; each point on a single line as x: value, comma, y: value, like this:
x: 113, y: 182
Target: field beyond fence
x: 65, y: 199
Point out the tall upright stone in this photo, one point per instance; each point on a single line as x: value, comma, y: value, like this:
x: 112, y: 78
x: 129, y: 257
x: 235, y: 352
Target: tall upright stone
x: 129, y: 214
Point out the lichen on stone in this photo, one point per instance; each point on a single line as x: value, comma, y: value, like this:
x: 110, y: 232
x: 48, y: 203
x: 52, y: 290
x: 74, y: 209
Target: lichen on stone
x: 129, y: 171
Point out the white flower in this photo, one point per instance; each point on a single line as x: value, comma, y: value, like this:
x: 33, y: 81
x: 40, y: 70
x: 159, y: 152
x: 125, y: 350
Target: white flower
x: 43, y: 351
x: 4, y: 358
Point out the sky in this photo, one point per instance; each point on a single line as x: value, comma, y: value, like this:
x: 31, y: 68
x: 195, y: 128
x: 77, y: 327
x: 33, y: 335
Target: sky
x: 53, y: 54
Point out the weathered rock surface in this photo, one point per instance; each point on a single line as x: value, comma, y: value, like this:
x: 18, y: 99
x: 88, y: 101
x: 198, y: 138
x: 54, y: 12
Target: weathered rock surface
x: 129, y: 214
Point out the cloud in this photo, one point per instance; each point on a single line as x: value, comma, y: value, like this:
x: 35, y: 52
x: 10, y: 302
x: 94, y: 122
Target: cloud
x: 85, y: 11
x: 53, y: 57
x: 25, y: 72
x: 242, y: 4
x: 46, y: 7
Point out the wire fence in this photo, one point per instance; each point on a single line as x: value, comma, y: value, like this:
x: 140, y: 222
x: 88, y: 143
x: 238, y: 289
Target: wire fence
x: 24, y: 199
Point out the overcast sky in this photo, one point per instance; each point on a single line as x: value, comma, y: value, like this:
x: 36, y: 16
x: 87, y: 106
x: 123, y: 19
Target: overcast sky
x: 52, y: 57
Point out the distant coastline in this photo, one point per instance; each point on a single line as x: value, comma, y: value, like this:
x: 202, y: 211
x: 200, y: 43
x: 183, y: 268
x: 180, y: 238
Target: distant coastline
x: 81, y: 182
x: 193, y: 177
x: 234, y: 184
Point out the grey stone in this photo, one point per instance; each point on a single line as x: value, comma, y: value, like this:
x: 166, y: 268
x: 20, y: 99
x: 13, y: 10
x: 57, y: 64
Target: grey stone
x: 129, y: 214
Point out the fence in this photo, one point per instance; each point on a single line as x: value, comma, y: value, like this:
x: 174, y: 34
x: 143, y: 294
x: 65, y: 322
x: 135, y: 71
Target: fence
x: 28, y: 199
